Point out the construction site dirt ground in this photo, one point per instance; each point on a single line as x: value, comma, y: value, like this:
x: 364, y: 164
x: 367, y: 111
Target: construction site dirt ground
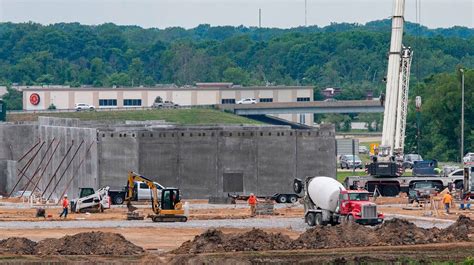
x: 158, y: 239
x: 200, y: 210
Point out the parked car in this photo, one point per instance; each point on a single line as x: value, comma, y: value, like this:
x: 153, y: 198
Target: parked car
x: 165, y: 104
x: 423, y: 190
x: 349, y: 161
x: 247, y: 101
x: 409, y: 160
x: 83, y: 106
x: 363, y: 149
x: 469, y: 157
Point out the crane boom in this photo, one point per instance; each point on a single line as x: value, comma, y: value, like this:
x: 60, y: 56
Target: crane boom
x: 398, y: 74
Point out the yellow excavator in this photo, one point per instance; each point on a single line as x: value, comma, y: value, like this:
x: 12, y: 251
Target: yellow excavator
x: 167, y: 209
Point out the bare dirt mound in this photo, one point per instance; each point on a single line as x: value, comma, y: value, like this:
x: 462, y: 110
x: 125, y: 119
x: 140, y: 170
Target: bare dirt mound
x: 257, y: 240
x: 461, y: 230
x: 344, y: 235
x: 213, y: 240
x: 393, y: 232
x: 209, y: 241
x: 402, y: 232
x: 91, y: 243
x: 17, y: 245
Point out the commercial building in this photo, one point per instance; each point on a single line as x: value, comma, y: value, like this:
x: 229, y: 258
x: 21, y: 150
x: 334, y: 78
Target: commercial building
x: 64, y: 97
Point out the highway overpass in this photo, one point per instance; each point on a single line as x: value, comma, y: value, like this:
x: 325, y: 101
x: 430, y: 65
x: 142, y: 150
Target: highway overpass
x: 318, y: 107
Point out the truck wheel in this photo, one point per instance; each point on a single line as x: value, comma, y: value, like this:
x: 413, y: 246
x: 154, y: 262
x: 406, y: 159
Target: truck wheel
x: 350, y: 219
x: 318, y: 219
x: 118, y: 200
x: 310, y: 219
x: 293, y: 199
x: 282, y: 199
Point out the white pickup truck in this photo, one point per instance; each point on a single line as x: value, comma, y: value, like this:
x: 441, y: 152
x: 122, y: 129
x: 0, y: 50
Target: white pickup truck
x: 141, y: 192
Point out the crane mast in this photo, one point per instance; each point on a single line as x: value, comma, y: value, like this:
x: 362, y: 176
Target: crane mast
x: 398, y: 75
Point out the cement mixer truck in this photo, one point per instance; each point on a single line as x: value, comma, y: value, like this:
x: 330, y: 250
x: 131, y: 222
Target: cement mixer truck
x: 326, y: 201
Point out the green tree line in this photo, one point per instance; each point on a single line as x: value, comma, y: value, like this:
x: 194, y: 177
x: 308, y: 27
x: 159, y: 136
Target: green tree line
x: 343, y: 55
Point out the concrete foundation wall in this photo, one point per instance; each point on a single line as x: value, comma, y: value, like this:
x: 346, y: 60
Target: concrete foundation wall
x: 46, y: 166
x: 82, y: 146
x: 8, y: 176
x: 16, y: 140
x: 206, y: 162
x: 118, y: 154
x: 203, y: 161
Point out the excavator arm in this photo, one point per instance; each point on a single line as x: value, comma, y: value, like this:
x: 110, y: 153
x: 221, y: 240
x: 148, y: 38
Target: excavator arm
x: 132, y: 177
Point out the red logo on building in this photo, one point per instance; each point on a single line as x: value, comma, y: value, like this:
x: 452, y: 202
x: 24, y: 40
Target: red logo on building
x: 34, y: 99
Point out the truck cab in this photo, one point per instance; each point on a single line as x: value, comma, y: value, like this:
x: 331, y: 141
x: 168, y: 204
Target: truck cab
x: 468, y: 181
x: 143, y: 192
x: 356, y: 207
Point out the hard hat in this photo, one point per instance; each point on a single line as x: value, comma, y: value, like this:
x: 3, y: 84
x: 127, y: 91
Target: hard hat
x: 251, y: 194
x: 65, y: 195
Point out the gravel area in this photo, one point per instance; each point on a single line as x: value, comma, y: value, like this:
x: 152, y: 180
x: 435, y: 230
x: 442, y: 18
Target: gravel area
x: 289, y: 223
x: 296, y: 224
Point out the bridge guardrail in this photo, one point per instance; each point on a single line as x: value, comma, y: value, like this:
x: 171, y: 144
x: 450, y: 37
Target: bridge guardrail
x: 109, y: 109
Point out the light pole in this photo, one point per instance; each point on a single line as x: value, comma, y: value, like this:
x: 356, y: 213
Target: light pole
x: 462, y: 114
x: 418, y: 123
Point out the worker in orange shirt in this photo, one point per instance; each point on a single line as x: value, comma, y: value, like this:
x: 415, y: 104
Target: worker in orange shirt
x: 252, y: 201
x: 447, y: 200
x: 65, y: 204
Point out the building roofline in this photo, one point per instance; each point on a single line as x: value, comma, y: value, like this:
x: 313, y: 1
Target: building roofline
x: 185, y: 88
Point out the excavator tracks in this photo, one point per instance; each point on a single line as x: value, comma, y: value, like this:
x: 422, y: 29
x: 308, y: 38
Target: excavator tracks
x: 169, y: 218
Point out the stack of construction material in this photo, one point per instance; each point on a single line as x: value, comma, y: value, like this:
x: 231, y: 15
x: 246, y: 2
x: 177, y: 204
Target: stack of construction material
x: 265, y: 207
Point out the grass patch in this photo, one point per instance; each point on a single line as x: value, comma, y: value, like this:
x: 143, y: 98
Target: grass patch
x: 181, y: 116
x: 341, y: 175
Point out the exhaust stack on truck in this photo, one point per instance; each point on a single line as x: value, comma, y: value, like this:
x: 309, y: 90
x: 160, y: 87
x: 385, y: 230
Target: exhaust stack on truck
x: 326, y: 201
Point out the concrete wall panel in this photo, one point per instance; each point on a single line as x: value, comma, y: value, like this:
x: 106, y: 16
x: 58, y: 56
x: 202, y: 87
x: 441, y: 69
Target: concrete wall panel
x: 159, y: 156
x: 118, y: 154
x: 237, y: 153
x: 197, y: 164
x: 276, y: 161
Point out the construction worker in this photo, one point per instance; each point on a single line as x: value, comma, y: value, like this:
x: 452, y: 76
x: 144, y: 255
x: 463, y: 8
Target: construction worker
x: 252, y: 201
x: 465, y: 203
x: 447, y: 200
x: 65, y: 207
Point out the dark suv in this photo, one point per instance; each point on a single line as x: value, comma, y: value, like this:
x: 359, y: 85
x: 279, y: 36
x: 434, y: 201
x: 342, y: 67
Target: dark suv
x: 409, y: 160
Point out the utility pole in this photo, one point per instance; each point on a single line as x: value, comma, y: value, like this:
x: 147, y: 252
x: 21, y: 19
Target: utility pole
x: 462, y: 114
x: 259, y: 18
